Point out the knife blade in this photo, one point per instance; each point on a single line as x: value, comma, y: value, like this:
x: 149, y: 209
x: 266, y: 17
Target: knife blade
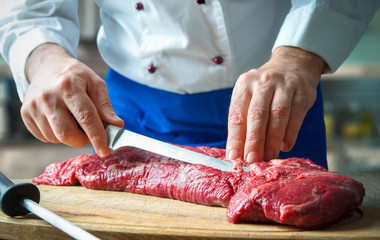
x: 118, y: 137
x: 20, y: 199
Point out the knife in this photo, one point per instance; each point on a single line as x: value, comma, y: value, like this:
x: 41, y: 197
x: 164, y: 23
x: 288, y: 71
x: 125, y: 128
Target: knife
x: 118, y: 137
x: 20, y: 199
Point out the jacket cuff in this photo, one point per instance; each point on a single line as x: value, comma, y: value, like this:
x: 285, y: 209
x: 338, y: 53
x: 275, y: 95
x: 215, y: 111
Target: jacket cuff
x: 22, y: 48
x: 329, y: 34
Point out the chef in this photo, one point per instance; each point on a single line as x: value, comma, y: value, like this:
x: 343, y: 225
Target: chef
x: 240, y: 74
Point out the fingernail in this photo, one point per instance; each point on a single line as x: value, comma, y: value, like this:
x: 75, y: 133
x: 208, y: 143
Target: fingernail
x: 232, y: 154
x: 284, y: 146
x: 251, y: 157
x: 104, y: 152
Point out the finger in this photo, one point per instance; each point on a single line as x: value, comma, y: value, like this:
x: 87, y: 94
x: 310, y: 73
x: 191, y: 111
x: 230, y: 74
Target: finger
x: 297, y: 114
x: 53, y: 123
x: 278, y: 121
x: 99, y: 95
x: 88, y: 118
x: 37, y: 124
x: 257, y: 122
x: 45, y: 128
x: 66, y: 129
x: 33, y: 129
x: 237, y: 122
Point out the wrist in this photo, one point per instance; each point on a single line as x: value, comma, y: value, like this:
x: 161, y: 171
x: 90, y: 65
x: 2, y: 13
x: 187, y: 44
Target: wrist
x: 301, y: 59
x: 41, y: 56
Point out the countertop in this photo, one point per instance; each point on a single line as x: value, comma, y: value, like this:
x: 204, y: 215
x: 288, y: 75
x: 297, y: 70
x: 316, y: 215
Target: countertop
x: 120, y: 215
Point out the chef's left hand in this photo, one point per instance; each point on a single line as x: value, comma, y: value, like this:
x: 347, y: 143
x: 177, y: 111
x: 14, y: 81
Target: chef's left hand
x: 268, y: 104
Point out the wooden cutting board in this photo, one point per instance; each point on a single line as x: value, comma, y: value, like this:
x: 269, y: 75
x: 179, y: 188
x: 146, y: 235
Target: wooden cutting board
x: 119, y: 215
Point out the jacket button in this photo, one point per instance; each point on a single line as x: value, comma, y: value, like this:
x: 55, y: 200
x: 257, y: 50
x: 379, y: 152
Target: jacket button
x: 139, y: 6
x: 201, y: 1
x: 218, y: 60
x: 152, y: 68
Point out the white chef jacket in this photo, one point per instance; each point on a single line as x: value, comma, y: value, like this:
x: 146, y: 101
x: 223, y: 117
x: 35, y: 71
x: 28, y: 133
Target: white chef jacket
x: 213, y: 41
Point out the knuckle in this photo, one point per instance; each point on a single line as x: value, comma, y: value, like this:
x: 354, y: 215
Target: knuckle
x: 268, y: 76
x: 66, y: 86
x: 70, y: 137
x: 293, y: 78
x: 254, y: 140
x: 300, y: 107
x: 85, y: 117
x: 98, y: 85
x: 274, y: 140
x: 63, y: 135
x: 280, y: 112
x: 95, y: 138
x: 257, y: 114
x: 104, y: 105
x: 236, y: 139
x: 47, y: 101
x: 46, y: 98
x: 28, y: 108
x: 236, y: 119
x: 24, y: 111
x: 246, y: 78
x: 101, y: 83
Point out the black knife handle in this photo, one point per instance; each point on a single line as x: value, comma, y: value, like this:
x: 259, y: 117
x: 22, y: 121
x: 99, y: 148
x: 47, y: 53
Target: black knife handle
x: 10, y: 193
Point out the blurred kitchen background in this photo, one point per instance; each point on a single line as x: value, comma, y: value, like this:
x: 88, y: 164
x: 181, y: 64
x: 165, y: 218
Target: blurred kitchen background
x: 351, y: 98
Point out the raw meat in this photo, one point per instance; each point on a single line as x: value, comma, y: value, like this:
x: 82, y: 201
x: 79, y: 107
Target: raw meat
x: 293, y: 191
x: 138, y: 171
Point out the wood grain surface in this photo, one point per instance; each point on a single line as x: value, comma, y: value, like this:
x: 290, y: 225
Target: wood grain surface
x: 119, y: 215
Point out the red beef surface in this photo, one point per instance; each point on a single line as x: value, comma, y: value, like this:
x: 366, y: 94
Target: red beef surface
x: 138, y: 171
x: 293, y: 191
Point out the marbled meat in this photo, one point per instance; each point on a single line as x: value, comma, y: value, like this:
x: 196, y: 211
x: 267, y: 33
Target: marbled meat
x: 293, y: 191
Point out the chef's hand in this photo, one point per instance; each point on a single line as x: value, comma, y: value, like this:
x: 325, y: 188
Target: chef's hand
x: 268, y: 104
x: 64, y: 92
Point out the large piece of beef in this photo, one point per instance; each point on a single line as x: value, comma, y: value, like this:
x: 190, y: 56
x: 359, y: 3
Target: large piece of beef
x: 293, y: 191
x: 296, y: 192
x: 138, y: 171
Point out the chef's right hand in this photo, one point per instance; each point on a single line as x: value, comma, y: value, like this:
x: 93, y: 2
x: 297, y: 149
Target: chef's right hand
x: 63, y: 93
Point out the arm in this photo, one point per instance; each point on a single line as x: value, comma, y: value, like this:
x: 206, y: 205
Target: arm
x: 63, y: 92
x: 268, y: 104
x: 57, y: 90
x: 331, y: 29
x: 25, y: 25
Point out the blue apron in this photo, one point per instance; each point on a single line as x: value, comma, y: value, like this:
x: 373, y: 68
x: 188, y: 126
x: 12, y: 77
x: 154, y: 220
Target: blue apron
x: 199, y: 119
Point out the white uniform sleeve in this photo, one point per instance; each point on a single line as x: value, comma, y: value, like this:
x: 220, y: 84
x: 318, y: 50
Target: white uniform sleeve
x: 328, y: 28
x: 26, y: 24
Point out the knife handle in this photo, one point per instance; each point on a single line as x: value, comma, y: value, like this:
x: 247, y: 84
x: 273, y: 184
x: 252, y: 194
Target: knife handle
x: 10, y: 193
